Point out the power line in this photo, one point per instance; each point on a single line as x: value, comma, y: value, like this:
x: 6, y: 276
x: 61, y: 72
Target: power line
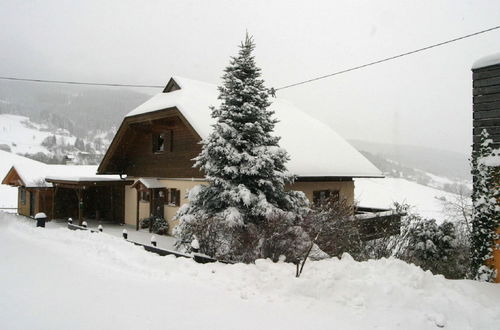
x: 276, y: 89
x: 389, y: 58
x: 81, y: 83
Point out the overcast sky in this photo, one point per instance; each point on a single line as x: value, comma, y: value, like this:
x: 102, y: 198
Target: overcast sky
x: 422, y: 99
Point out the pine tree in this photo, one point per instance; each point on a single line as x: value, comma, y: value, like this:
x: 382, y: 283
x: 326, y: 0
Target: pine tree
x: 242, y: 161
x: 485, y: 218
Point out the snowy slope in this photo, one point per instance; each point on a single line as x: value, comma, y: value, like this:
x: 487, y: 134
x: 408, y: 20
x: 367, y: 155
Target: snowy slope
x: 24, y: 136
x: 427, y: 201
x: 60, y: 279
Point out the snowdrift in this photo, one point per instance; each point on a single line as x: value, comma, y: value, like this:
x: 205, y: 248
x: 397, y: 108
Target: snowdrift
x: 61, y: 279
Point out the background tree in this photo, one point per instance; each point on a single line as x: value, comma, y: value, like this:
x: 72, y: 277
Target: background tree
x: 243, y: 164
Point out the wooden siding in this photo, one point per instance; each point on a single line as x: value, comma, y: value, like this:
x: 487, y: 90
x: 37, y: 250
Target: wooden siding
x: 486, y: 103
x: 132, y: 152
x: 23, y: 208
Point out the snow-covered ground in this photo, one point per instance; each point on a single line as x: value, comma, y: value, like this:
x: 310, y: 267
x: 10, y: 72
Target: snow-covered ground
x: 141, y: 236
x: 24, y: 136
x: 426, y: 201
x: 62, y: 279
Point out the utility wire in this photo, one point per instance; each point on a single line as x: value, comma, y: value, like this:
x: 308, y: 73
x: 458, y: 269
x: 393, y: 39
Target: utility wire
x: 276, y: 89
x: 389, y: 58
x: 80, y: 82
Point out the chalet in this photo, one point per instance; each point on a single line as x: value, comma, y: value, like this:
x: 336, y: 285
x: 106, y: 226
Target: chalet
x: 148, y: 168
x: 157, y: 141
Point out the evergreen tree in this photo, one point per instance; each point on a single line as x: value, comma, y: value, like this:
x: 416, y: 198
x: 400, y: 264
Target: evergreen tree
x: 242, y: 161
x: 486, y: 212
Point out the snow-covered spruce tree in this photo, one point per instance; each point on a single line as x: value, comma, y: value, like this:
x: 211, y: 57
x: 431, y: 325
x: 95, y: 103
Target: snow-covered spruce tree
x: 486, y: 212
x: 244, y: 166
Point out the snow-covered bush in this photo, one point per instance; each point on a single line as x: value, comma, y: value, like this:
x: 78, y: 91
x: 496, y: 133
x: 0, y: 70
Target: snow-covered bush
x: 244, y: 167
x: 442, y: 249
x: 158, y: 225
x: 486, y: 211
x: 433, y: 247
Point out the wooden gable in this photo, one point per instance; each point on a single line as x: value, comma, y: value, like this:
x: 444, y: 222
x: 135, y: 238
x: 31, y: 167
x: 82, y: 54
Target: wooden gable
x: 13, y: 178
x: 133, y: 151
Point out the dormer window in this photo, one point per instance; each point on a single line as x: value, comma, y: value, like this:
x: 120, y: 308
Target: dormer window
x: 163, y: 141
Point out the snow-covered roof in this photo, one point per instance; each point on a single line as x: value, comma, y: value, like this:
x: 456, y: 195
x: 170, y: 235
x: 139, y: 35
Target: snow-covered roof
x: 151, y: 183
x: 315, y: 149
x: 489, y: 60
x: 34, y: 173
x: 77, y: 173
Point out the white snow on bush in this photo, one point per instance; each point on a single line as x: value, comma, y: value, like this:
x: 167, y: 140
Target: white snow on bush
x: 62, y: 279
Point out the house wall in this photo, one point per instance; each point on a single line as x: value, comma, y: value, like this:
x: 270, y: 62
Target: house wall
x: 130, y: 205
x: 144, y: 210
x: 486, y: 115
x: 23, y: 209
x: 486, y: 103
x: 345, y: 188
x: 171, y: 210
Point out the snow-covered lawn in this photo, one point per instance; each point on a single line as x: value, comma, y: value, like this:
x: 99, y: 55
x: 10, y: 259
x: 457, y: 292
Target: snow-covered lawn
x: 61, y: 279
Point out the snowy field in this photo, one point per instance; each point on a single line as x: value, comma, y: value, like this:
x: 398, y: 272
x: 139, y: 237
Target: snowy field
x: 426, y: 201
x: 24, y: 136
x: 55, y: 278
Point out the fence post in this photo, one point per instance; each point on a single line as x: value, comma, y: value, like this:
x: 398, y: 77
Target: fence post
x: 125, y: 233
x: 153, y: 240
x: 40, y: 219
x: 195, y: 245
x: 100, y: 228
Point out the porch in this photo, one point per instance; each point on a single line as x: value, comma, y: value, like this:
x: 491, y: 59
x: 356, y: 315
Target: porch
x: 99, y: 199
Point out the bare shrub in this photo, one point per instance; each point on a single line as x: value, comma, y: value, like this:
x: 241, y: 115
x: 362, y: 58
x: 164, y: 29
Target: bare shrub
x: 332, y: 226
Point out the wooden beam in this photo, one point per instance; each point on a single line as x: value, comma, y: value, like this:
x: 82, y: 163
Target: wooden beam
x: 79, y: 193
x: 137, y: 211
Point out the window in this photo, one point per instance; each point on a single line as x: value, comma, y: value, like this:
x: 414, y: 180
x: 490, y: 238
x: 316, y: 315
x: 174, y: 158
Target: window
x: 322, y: 196
x: 144, y: 195
x: 23, y: 196
x: 163, y: 141
x: 174, y: 197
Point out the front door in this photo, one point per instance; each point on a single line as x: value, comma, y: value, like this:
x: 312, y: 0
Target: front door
x: 158, y: 202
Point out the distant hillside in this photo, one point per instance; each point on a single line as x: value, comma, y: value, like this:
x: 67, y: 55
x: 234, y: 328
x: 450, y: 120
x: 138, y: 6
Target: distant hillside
x: 78, y: 109
x: 444, y: 163
x: 21, y: 135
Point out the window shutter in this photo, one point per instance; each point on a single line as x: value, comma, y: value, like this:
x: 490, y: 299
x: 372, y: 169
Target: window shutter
x: 178, y: 197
